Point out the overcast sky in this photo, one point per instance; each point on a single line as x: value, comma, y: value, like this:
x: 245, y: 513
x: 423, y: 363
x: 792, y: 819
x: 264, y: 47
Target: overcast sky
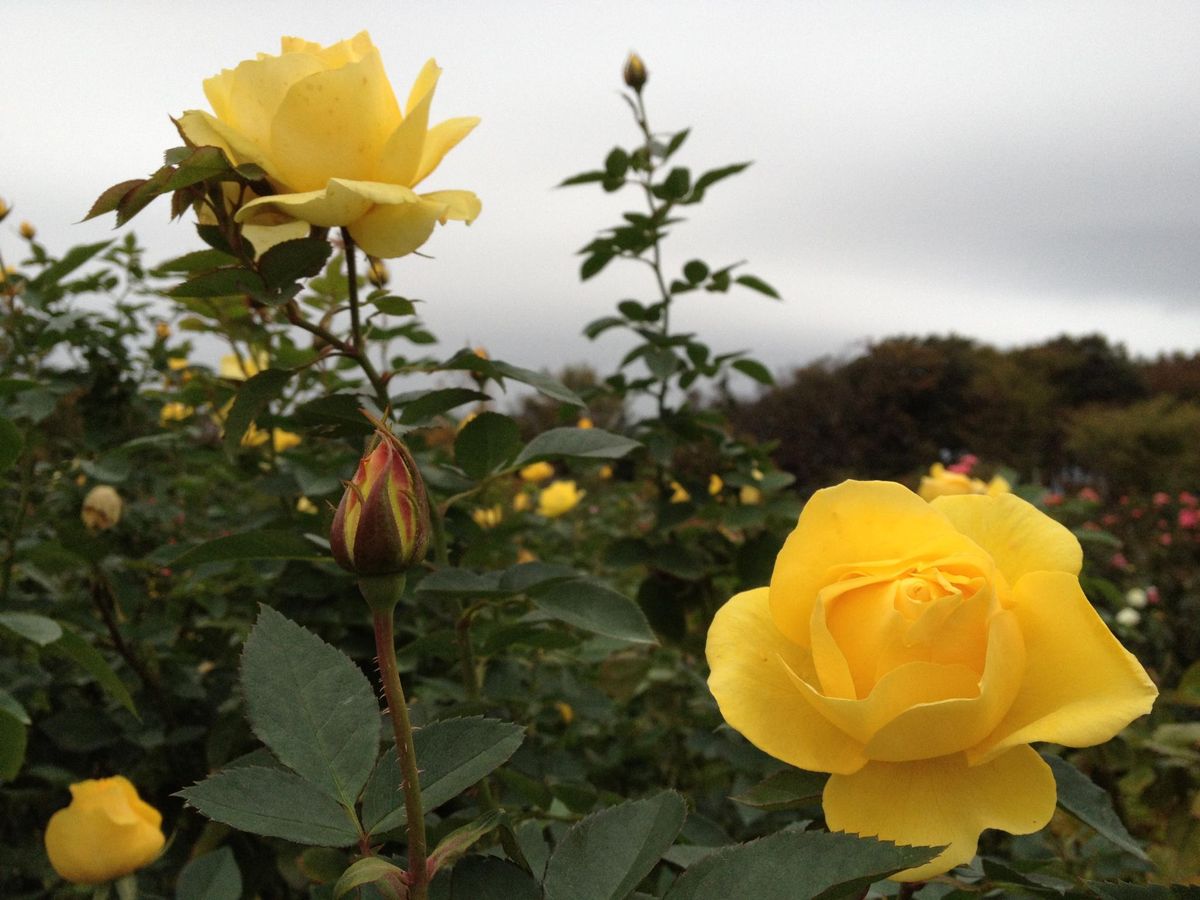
x: 1006, y: 171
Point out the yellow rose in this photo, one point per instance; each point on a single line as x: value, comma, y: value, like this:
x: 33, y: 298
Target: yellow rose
x: 749, y: 495
x: 558, y: 499
x: 284, y: 440
x: 941, y: 482
x: 914, y: 650
x: 174, y: 412
x: 538, y: 471
x: 715, y: 484
x: 679, y: 494
x: 488, y: 516
x: 521, y: 502
x: 101, y: 508
x: 325, y: 125
x: 239, y: 368
x: 107, y: 831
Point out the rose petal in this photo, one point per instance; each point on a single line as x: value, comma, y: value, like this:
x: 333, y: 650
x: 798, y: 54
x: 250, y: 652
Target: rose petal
x: 940, y: 801
x: 1080, y: 686
x: 752, y: 665
x: 462, y: 206
x: 855, y: 522
x: 247, y: 97
x: 1019, y: 537
x: 440, y: 140
x: 341, y: 202
x: 396, y: 230
x: 205, y: 131
x: 401, y: 155
x: 334, y: 124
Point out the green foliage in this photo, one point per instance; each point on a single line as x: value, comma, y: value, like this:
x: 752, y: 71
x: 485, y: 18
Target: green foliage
x: 1146, y: 446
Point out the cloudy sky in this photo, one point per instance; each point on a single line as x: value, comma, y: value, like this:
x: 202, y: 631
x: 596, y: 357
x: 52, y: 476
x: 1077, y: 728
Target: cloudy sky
x: 1007, y: 171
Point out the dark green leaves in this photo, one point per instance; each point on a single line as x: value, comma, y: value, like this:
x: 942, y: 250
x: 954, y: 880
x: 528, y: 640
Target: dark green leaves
x: 251, y: 400
x: 452, y: 755
x: 788, y: 789
x: 578, y: 443
x: 213, y: 876
x: 288, y: 262
x: 793, y: 864
x: 264, y: 544
x: 595, y: 608
x: 1090, y: 804
x: 486, y: 443
x: 310, y: 705
x: 606, y: 855
x: 220, y: 283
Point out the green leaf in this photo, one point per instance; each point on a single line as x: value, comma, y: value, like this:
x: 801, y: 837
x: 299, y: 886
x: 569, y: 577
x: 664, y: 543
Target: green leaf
x: 675, y: 185
x: 606, y: 855
x: 757, y: 284
x: 220, y: 283
x: 675, y: 143
x: 111, y: 199
x: 583, y: 178
x: 486, y: 443
x: 597, y: 327
x: 274, y: 803
x: 39, y: 629
x: 10, y: 706
x: 290, y: 261
x: 213, y: 876
x: 755, y: 370
x: 577, y: 443
x: 310, y: 705
x: 13, y: 738
x: 695, y: 271
x: 616, y: 164
x: 460, y: 840
x: 792, y: 864
x: 1090, y: 804
x: 594, y: 264
x: 1119, y: 890
x: 92, y: 661
x: 249, y: 545
x: 393, y: 306
x: 526, y: 576
x: 489, y: 878
x: 420, y: 406
x: 201, y: 163
x: 789, y: 789
x: 712, y: 177
x: 452, y: 755
x: 251, y: 400
x: 74, y: 258
x: 387, y: 877
x: 454, y: 582
x: 551, y: 387
x: 10, y: 443
x: 595, y: 608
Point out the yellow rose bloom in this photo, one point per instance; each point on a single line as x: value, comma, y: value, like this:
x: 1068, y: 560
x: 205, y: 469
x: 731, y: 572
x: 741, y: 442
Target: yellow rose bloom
x: 239, y: 368
x: 915, y: 650
x: 101, y: 508
x: 585, y: 422
x: 558, y: 499
x: 306, y: 506
x: 521, y: 502
x: 538, y: 471
x: 941, y: 482
x: 487, y: 517
x: 749, y: 495
x: 715, y: 484
x: 325, y: 125
x: 174, y: 412
x: 284, y: 440
x: 176, y: 363
x: 107, y: 831
x: 679, y: 494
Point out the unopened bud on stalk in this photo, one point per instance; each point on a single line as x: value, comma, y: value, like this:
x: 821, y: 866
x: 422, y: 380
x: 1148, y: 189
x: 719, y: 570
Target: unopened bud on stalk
x: 635, y: 72
x: 377, y: 274
x: 381, y: 527
x: 27, y: 231
x: 101, y: 508
x: 5, y: 209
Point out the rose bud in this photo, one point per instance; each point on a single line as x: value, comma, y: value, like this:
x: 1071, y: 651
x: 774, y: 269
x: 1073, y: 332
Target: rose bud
x: 635, y: 72
x: 107, y: 831
x: 381, y: 526
x: 101, y: 508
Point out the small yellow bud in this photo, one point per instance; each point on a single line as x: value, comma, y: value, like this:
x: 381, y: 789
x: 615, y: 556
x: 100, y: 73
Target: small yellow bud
x: 5, y: 209
x: 521, y: 502
x: 585, y: 422
x: 524, y: 556
x: 27, y: 231
x: 565, y: 710
x: 101, y: 508
x: 174, y: 412
x: 606, y: 472
x: 538, y: 471
x: 377, y: 274
x: 635, y: 72
x: 306, y: 506
x: 107, y: 831
x: 284, y: 440
x: 558, y: 499
x: 163, y: 330
x: 679, y: 494
x: 488, y: 517
x: 175, y: 363
x: 749, y: 495
x: 715, y: 484
x: 481, y: 352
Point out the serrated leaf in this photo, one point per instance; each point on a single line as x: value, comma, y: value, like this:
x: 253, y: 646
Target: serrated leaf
x: 263, y: 544
x: 220, y: 283
x: 111, y: 199
x: 788, y: 789
x: 606, y: 855
x: 196, y: 261
x: 393, y: 306
x: 39, y: 629
x: 1090, y: 804
x: 92, y: 661
x: 201, y: 163
x: 792, y: 864
x: 594, y: 264
x: 213, y: 876
x: 310, y: 705
x: 486, y: 443
x: 675, y: 143
x: 10, y: 444
x: 273, y: 803
x: 460, y: 840
x: 597, y: 609
x: 576, y: 443
x: 452, y: 755
x: 290, y: 261
x: 251, y: 400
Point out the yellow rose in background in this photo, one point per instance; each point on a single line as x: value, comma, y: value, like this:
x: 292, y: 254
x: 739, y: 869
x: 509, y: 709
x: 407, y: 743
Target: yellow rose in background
x: 679, y: 494
x: 558, y: 499
x: 101, y: 508
x: 715, y: 484
x: 538, y: 471
x: 174, y: 412
x: 239, y: 368
x: 325, y: 125
x: 914, y: 650
x: 107, y: 831
x: 488, y: 516
x: 941, y: 482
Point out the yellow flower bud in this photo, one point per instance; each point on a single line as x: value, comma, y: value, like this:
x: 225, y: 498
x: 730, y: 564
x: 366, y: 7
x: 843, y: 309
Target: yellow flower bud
x: 174, y: 412
x: 306, y: 506
x: 538, y: 471
x: 381, y: 527
x: 559, y: 499
x: 635, y: 72
x: 163, y: 330
x: 107, y: 831
x: 488, y: 517
x: 715, y: 484
x: 679, y: 494
x: 377, y: 274
x: 101, y: 508
x: 521, y: 502
x: 28, y: 231
x: 749, y: 495
x: 565, y: 710
x: 585, y: 422
x: 5, y: 209
x: 524, y: 556
x: 175, y: 363
x: 284, y: 440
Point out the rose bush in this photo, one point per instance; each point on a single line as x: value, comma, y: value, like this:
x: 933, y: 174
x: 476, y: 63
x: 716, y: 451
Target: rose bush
x: 106, y: 832
x: 325, y: 126
x: 914, y: 650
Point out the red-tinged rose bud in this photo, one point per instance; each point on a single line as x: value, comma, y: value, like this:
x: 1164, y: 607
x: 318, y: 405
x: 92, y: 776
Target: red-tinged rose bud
x: 381, y: 527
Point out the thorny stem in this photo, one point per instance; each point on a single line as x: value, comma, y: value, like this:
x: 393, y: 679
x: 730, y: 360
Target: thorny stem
x: 385, y: 649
